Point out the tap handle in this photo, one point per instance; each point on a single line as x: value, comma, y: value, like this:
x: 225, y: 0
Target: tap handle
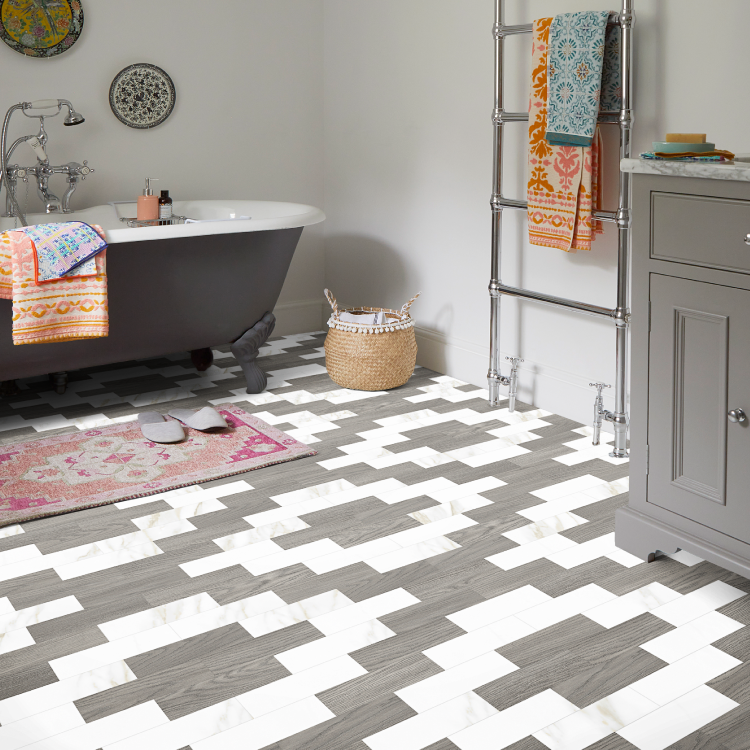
x: 599, y: 387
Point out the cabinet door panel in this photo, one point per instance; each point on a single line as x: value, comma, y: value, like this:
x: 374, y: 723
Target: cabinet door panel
x: 699, y: 360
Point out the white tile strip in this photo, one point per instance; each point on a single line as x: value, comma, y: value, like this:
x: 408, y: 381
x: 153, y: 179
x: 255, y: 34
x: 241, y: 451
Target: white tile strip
x: 40, y: 727
x: 431, y: 726
x: 697, y: 603
x: 498, y: 608
x: 667, y: 725
x: 426, y: 694
x: 66, y: 691
x: 628, y: 606
x: 39, y: 613
x: 514, y: 723
x: 273, y: 727
x: 691, y: 636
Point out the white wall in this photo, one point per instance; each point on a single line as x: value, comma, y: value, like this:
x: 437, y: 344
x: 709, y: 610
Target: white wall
x: 248, y: 122
x: 408, y: 152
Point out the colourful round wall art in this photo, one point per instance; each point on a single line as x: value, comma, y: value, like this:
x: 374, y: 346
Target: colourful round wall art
x: 40, y: 28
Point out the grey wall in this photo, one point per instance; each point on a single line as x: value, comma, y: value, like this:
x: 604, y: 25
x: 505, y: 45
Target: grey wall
x: 408, y: 98
x: 248, y: 122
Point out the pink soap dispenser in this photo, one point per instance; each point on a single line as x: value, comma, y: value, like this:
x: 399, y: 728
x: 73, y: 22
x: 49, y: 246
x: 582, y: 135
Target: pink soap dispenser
x: 148, y: 203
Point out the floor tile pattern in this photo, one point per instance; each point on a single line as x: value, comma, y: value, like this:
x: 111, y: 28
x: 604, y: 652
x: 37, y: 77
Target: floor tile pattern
x: 441, y: 575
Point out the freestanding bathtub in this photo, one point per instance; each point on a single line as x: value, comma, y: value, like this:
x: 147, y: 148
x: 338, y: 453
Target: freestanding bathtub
x: 184, y: 287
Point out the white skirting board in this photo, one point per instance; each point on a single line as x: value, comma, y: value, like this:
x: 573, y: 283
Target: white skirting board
x: 302, y: 316
x: 546, y: 387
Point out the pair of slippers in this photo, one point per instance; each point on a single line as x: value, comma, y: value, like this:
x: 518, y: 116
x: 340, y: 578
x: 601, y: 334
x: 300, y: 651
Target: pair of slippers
x: 159, y: 430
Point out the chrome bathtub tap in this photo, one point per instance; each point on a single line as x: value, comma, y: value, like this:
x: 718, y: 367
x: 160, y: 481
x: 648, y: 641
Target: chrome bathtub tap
x: 42, y: 170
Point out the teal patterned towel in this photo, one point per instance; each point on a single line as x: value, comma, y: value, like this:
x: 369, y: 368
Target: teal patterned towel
x: 584, y: 76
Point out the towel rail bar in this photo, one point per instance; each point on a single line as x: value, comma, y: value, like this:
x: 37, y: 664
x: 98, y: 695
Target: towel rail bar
x: 502, y: 117
x: 498, y: 204
x: 620, y: 314
x: 549, y: 299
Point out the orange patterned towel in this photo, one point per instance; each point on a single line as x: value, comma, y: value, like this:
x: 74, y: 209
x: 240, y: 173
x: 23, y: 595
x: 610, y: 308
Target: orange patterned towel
x: 58, y: 310
x: 564, y: 181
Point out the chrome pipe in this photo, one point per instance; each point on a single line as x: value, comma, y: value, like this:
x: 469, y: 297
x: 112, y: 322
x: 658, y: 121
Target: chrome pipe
x: 498, y: 203
x: 620, y: 418
x: 513, y: 385
x: 548, y: 299
x: 495, y: 377
x: 501, y: 116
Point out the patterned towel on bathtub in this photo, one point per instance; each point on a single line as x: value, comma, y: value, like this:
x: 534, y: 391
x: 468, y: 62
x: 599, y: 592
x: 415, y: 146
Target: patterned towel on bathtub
x: 584, y: 76
x: 64, y: 249
x: 64, y: 309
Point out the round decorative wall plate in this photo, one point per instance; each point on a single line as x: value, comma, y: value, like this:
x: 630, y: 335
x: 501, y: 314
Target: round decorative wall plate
x: 40, y: 28
x: 142, y: 96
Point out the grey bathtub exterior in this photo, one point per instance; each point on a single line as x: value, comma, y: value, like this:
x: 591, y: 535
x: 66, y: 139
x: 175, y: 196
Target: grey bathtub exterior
x: 170, y: 295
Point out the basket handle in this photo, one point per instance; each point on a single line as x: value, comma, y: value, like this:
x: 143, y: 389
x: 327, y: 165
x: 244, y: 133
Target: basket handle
x: 407, y: 305
x: 332, y: 302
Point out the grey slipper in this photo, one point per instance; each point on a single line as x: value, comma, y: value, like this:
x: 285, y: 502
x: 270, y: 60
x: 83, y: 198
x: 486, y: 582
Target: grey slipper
x: 157, y: 429
x: 203, y: 419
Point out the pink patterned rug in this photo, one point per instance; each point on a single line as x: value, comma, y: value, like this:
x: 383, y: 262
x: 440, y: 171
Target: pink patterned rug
x: 102, y: 466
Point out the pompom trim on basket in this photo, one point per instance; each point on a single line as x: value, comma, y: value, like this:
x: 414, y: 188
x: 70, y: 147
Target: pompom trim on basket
x: 402, y: 319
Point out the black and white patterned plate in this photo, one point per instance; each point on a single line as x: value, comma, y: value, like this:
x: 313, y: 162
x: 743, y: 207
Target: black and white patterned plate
x: 142, y: 96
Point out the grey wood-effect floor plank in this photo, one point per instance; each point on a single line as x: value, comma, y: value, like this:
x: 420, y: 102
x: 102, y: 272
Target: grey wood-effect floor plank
x: 378, y: 684
x: 612, y: 742
x: 528, y: 743
x: 346, y: 731
x: 25, y: 678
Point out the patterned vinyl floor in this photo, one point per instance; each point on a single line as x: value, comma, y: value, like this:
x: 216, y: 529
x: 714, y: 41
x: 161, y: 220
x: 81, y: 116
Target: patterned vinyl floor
x: 441, y: 575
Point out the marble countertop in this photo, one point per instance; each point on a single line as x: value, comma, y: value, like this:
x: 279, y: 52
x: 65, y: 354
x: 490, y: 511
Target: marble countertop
x: 738, y: 171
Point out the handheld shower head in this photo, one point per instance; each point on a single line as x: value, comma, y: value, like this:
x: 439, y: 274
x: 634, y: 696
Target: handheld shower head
x: 73, y: 117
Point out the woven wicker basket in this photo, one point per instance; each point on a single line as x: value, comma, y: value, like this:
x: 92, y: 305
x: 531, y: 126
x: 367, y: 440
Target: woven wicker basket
x: 371, y: 357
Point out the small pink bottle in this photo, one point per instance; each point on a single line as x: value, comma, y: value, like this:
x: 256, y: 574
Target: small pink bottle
x: 148, y: 203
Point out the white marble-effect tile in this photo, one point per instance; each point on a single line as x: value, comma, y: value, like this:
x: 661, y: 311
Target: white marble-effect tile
x: 159, y: 397
x: 562, y: 489
x: 686, y: 558
x: 412, y: 553
x: 431, y: 726
x: 346, y: 617
x: 310, y: 493
x: 352, y: 555
x: 429, y: 487
x: 452, y: 508
x: 670, y: 682
x: 424, y: 532
x: 273, y: 727
x: 104, y: 562
x: 297, y: 687
x: 469, y: 675
x: 66, y: 691
x: 290, y: 614
x: 515, y: 723
x: 669, y: 724
x: 127, y: 504
x: 177, y: 514
x: 603, y: 546
x: 572, y: 502
x: 547, y: 527
x: 691, y: 637
x: 698, y: 603
x: 227, y: 614
x: 261, y: 533
x: 22, y: 618
x: 526, y: 553
x: 568, y: 605
x: 188, y: 729
x: 330, y: 647
x: 450, y: 491
x: 121, y: 649
x: 631, y: 605
x: 477, y: 642
x: 105, y: 732
x: 18, y: 554
x: 5, y: 606
x: 12, y: 530
x: 15, y: 640
x: 40, y: 727
x: 583, y: 728
x: 498, y: 608
x: 287, y: 557
x: 221, y: 560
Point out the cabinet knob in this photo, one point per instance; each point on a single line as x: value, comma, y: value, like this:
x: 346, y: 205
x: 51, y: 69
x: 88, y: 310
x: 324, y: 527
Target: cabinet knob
x: 737, y: 415
x: 747, y: 239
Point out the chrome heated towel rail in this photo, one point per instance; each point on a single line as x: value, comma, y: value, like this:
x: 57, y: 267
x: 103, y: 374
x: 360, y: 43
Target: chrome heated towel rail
x: 620, y: 314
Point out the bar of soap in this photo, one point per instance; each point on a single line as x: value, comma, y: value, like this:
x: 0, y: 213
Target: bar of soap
x: 686, y: 138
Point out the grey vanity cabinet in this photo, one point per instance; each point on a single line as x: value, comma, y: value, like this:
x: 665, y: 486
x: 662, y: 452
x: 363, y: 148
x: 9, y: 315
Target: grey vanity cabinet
x: 690, y: 372
x: 699, y: 361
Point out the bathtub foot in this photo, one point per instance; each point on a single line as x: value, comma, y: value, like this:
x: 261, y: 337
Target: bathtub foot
x: 245, y: 350
x: 9, y: 388
x: 202, y: 359
x: 60, y: 381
